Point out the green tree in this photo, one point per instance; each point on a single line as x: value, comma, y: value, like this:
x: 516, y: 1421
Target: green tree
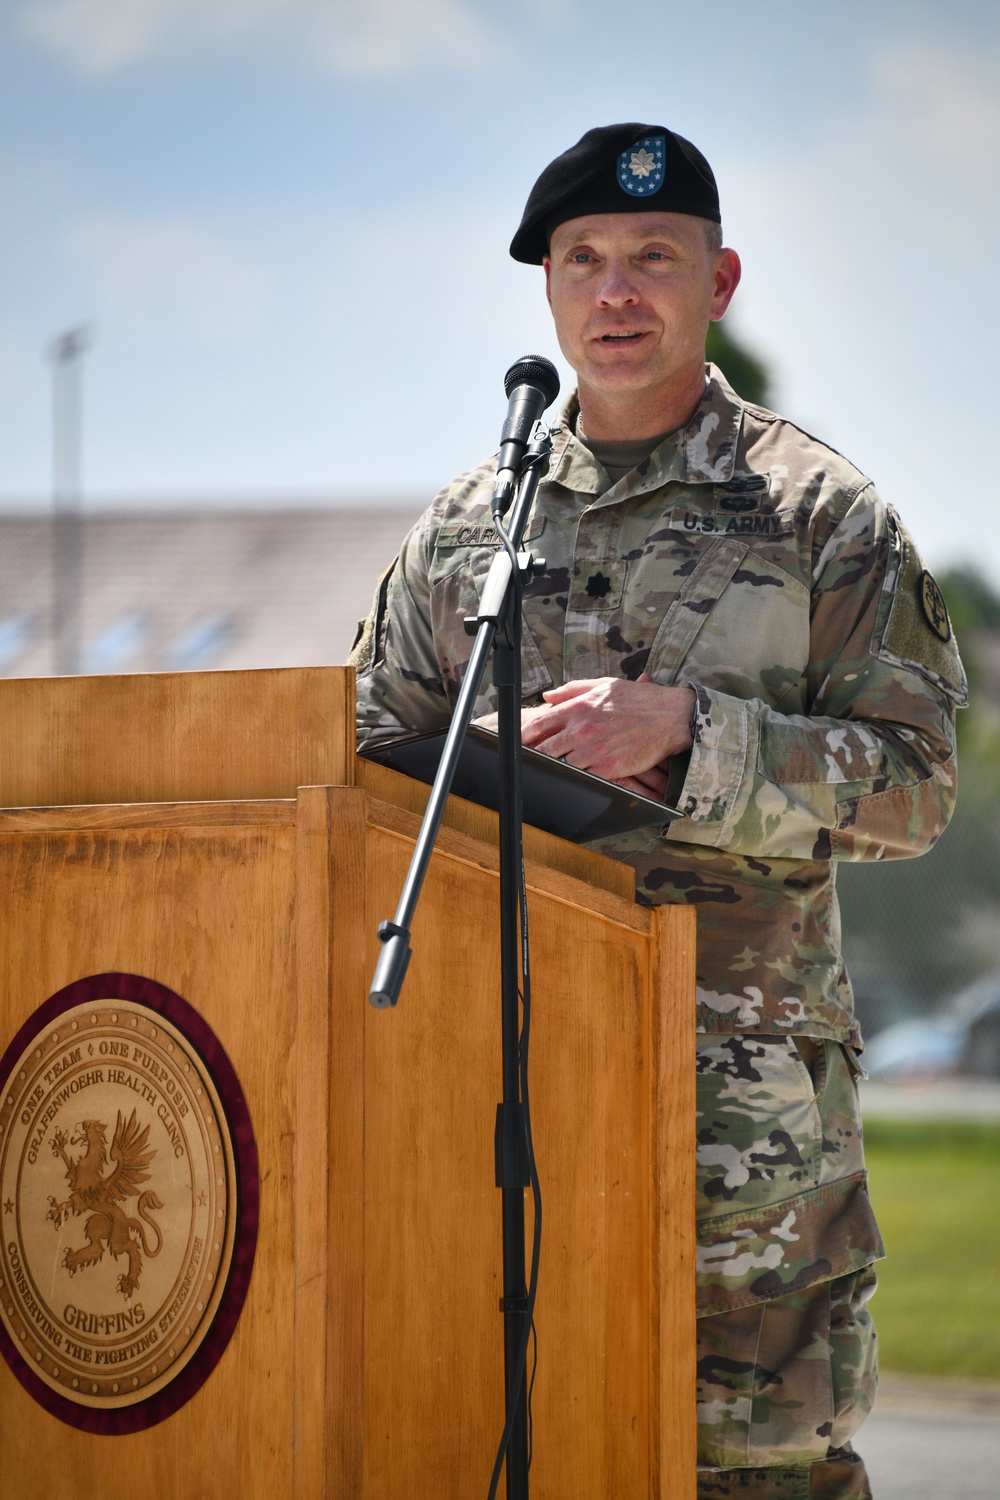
x: 974, y: 610
x: 746, y: 373
x: 973, y: 603
x: 917, y: 930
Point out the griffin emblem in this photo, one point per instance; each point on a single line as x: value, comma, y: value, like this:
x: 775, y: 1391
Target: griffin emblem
x: 100, y: 1196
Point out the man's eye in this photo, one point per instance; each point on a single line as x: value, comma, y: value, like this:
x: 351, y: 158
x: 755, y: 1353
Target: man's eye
x: 580, y: 257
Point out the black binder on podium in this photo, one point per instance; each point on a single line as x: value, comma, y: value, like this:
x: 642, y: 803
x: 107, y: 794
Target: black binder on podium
x: 558, y: 798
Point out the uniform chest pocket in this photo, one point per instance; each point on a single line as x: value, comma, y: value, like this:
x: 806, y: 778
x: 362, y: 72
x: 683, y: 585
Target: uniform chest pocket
x: 686, y: 616
x: 453, y: 597
x: 740, y: 624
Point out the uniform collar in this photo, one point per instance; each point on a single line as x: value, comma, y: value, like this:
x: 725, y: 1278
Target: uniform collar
x: 702, y: 452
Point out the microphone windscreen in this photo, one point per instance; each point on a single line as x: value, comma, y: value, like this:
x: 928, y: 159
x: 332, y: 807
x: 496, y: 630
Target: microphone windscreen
x: 533, y: 369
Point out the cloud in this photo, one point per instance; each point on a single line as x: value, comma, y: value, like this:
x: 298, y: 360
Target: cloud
x: 167, y: 272
x: 864, y: 246
x: 378, y: 37
x: 915, y: 161
x: 949, y: 103
x: 367, y: 38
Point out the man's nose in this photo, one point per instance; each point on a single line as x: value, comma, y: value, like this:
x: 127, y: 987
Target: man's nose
x: 618, y: 288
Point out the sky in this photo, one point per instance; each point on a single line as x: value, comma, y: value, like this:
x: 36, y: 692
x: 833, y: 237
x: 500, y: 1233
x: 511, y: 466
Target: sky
x: 286, y: 223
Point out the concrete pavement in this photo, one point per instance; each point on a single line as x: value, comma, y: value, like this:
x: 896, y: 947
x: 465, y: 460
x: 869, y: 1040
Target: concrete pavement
x: 933, y: 1440
x: 939, y: 1098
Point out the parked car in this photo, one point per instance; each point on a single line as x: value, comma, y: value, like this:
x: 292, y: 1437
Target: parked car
x: 961, y: 1036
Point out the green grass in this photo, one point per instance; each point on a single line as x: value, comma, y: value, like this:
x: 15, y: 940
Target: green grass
x: 936, y: 1190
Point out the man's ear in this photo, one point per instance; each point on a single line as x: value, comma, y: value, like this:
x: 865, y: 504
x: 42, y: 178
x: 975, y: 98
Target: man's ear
x: 547, y: 268
x: 728, y: 271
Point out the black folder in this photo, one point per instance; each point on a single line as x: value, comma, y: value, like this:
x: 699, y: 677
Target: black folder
x: 558, y: 798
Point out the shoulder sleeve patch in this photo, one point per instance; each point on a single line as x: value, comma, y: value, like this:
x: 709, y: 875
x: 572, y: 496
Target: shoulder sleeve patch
x: 933, y: 605
x: 912, y: 629
x: 369, y: 642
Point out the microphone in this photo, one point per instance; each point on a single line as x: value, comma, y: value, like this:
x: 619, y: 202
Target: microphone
x: 531, y: 385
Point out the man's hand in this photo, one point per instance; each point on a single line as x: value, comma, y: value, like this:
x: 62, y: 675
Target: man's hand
x: 624, y: 731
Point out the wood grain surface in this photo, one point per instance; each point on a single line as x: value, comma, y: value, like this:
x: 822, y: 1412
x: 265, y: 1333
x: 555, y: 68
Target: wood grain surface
x: 672, y: 1112
x: 367, y: 1362
x: 208, y: 912
x: 614, y: 1395
x: 175, y: 736
x: 482, y: 823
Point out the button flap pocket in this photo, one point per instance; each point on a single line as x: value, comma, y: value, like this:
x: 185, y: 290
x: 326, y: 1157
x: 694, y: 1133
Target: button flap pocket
x: 535, y: 675
x: 684, y: 619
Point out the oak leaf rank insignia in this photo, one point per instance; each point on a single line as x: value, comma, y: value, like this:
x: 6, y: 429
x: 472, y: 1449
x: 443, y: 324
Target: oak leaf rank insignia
x: 640, y: 168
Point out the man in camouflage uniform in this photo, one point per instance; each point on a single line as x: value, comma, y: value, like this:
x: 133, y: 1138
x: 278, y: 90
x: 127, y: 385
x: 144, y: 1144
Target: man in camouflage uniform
x: 719, y: 586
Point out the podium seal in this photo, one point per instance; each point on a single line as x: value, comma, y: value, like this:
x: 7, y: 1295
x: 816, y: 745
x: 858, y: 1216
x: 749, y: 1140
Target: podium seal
x: 128, y: 1203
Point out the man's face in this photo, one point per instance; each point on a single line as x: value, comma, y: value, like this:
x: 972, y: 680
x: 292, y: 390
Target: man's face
x: 632, y: 296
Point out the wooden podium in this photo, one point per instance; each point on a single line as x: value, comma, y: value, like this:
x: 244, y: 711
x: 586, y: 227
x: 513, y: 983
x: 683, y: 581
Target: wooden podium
x: 214, y: 832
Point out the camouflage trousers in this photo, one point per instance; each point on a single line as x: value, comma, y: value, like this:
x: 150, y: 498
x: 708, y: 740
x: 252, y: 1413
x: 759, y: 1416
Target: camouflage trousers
x: 786, y: 1346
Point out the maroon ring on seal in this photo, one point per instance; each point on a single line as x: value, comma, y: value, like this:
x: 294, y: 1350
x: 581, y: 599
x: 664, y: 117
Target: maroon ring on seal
x: 221, y: 1122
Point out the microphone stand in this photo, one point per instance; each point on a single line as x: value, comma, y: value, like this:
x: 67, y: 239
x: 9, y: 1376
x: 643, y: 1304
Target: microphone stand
x: 497, y: 628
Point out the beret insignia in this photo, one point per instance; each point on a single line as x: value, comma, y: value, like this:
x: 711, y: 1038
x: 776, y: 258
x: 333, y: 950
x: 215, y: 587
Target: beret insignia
x: 640, y: 168
x: 632, y: 167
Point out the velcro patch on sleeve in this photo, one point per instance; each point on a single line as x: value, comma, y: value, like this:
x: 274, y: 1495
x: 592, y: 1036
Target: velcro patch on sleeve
x: 369, y: 643
x: 914, y: 630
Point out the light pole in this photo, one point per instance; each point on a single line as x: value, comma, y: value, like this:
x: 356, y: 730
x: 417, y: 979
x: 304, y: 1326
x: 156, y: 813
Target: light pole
x: 65, y: 353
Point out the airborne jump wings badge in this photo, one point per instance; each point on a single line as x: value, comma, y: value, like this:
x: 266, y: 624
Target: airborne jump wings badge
x: 640, y: 168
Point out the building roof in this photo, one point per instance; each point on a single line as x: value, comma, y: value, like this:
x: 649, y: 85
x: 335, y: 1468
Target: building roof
x: 175, y: 590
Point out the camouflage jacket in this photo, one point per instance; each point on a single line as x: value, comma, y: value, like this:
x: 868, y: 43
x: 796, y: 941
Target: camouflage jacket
x: 752, y: 562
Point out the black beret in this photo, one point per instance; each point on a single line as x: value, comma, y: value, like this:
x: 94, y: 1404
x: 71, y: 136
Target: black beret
x: 616, y: 169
